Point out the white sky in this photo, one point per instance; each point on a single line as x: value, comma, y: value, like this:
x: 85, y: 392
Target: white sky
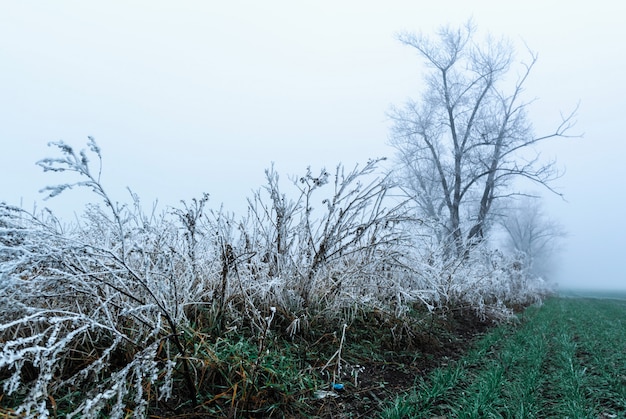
x: 186, y: 97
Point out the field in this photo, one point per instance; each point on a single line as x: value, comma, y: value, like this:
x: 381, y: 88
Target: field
x: 564, y: 359
x: 614, y: 294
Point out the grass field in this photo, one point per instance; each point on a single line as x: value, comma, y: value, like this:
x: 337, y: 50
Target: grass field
x: 566, y: 359
x: 615, y: 294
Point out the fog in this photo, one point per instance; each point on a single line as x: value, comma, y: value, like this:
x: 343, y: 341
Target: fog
x: 191, y: 97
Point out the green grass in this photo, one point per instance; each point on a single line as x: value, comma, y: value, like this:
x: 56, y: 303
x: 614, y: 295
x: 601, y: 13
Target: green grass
x: 566, y: 359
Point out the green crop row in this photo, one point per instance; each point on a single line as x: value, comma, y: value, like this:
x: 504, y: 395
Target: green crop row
x: 564, y: 359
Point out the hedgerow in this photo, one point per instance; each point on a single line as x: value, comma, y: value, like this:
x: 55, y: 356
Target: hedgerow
x: 127, y: 311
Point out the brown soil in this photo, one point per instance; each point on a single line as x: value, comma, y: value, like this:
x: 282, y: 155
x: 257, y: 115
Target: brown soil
x: 380, y: 382
x: 389, y: 371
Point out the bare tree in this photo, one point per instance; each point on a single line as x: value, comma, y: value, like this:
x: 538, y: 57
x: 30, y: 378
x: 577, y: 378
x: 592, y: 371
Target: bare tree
x: 532, y: 234
x: 463, y: 142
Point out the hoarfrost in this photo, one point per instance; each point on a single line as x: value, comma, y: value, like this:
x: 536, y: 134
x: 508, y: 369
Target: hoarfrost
x: 121, y: 290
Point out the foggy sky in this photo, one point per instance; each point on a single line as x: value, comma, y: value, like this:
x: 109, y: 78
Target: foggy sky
x: 198, y: 96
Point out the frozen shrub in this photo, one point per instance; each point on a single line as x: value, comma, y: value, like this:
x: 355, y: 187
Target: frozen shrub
x: 106, y: 316
x: 99, y: 306
x: 484, y: 281
x: 336, y: 244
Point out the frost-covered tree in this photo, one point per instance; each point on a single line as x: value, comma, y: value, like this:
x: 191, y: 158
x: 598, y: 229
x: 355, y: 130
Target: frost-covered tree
x: 462, y: 143
x: 530, y: 232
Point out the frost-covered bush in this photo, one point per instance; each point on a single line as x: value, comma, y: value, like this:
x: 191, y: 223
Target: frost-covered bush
x: 99, y: 316
x: 95, y: 311
x: 122, y: 310
x: 483, y: 280
x: 334, y: 242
